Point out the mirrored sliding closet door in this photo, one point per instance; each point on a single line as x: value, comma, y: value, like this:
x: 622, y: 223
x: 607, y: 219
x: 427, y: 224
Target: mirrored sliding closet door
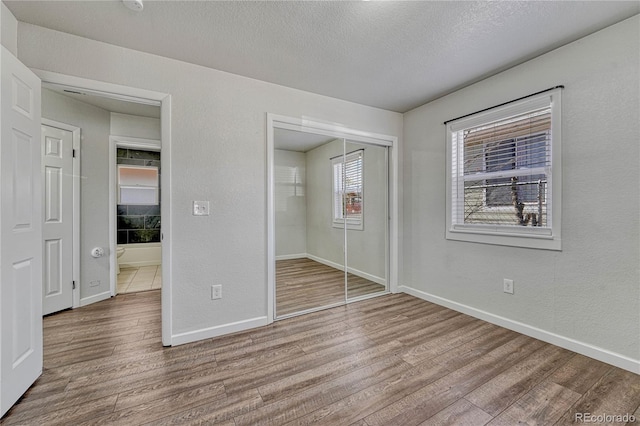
x: 330, y: 198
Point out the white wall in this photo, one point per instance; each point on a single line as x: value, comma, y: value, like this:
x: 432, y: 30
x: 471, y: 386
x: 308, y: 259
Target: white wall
x: 218, y: 127
x: 94, y: 188
x: 365, y: 248
x: 135, y: 126
x: 323, y: 240
x: 590, y: 291
x: 290, y: 200
x: 8, y: 30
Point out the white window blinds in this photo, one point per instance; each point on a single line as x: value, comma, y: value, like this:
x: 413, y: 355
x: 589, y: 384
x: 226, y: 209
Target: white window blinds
x: 506, y: 164
x: 348, y: 191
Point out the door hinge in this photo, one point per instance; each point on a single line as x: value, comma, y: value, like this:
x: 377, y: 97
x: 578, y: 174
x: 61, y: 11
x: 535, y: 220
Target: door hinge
x: 74, y: 153
x: 73, y: 284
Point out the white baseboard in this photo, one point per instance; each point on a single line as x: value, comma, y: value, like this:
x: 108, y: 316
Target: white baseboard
x: 365, y: 275
x: 141, y: 263
x: 95, y: 298
x: 291, y: 256
x: 586, y: 349
x: 219, y: 330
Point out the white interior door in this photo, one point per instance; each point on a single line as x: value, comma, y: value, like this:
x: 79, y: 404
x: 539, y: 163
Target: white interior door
x: 20, y: 231
x: 57, y: 228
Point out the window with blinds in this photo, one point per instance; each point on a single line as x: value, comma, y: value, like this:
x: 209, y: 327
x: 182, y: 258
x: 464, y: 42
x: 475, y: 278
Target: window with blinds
x: 505, y: 164
x: 502, y: 164
x: 348, y: 190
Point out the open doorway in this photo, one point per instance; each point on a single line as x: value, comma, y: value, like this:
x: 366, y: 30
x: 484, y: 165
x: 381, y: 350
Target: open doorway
x: 135, y: 212
x: 130, y: 133
x: 139, y: 120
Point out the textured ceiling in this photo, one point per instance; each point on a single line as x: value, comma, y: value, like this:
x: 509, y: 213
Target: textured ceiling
x: 392, y: 55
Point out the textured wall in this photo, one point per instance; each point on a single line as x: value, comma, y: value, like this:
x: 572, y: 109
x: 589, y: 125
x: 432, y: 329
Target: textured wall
x: 135, y: 126
x: 8, y: 30
x: 94, y: 183
x: 590, y: 291
x: 290, y: 202
x: 366, y: 248
x: 218, y: 126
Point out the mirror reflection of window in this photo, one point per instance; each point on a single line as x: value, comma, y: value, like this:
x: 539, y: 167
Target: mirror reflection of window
x: 289, y: 183
x: 348, y: 190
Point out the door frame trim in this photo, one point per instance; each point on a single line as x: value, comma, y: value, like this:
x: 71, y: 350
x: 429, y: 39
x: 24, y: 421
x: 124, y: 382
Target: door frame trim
x: 116, y: 142
x: 75, y: 256
x: 339, y: 131
x: 132, y: 94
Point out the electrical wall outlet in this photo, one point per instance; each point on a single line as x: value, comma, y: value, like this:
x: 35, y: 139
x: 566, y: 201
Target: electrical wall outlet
x: 216, y: 292
x: 508, y: 286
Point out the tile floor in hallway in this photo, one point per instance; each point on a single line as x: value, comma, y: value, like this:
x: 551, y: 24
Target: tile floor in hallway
x: 143, y: 278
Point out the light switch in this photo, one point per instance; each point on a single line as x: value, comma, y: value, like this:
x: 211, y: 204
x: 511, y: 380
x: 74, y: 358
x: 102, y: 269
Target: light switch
x: 201, y: 208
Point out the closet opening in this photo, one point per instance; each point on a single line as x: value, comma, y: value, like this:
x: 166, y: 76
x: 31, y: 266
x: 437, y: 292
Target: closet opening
x: 330, y: 221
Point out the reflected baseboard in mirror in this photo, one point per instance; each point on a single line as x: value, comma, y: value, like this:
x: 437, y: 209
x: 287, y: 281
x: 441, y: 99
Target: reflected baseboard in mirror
x: 303, y: 284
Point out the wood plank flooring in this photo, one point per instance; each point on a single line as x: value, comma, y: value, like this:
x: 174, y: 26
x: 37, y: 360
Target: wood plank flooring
x: 303, y: 284
x: 390, y: 360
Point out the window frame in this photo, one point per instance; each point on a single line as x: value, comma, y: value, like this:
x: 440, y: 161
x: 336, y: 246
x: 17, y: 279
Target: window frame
x: 548, y: 237
x: 338, y: 222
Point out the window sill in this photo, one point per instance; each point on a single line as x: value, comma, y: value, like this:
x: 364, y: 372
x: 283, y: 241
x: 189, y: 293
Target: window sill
x: 527, y: 237
x: 352, y: 226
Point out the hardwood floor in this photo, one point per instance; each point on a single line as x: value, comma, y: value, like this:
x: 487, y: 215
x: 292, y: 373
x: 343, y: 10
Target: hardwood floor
x: 303, y: 284
x: 391, y: 360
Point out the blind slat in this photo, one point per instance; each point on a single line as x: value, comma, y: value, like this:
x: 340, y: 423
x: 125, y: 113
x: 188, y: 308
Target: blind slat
x: 517, y: 126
